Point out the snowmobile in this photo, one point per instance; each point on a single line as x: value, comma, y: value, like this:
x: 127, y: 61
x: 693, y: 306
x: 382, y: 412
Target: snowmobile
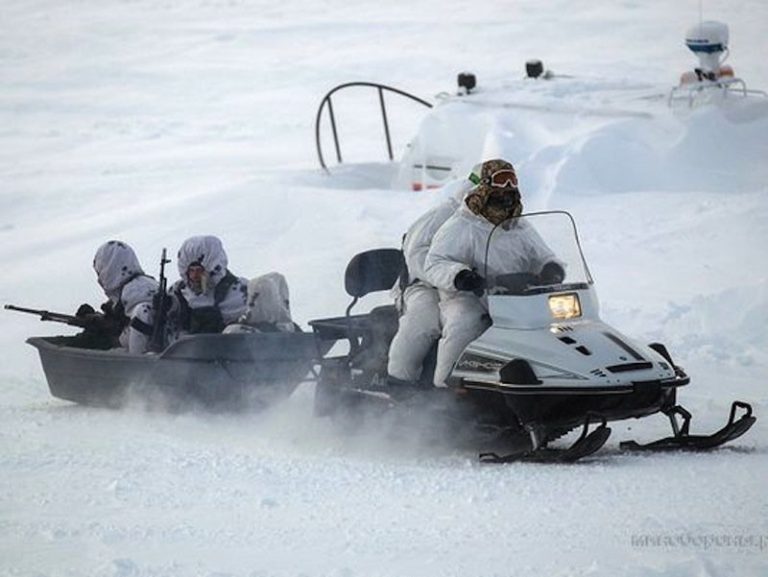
x: 546, y: 366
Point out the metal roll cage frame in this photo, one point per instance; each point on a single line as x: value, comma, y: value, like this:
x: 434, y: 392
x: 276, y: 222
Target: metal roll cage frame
x: 385, y: 120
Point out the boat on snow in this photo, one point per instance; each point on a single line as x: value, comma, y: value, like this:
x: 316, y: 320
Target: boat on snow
x: 211, y: 371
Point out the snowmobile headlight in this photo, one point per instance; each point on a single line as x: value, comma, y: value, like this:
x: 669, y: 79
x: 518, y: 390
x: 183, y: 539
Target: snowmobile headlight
x: 565, y: 306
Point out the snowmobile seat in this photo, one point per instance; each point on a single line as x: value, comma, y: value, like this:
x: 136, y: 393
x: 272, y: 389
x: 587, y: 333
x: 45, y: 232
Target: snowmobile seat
x: 368, y: 334
x: 367, y: 272
x: 372, y: 271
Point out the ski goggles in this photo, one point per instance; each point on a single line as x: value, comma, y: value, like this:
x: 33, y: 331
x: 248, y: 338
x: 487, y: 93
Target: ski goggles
x: 504, y: 178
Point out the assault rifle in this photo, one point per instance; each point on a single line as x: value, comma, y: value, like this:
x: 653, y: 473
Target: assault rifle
x: 93, y: 322
x: 161, y: 304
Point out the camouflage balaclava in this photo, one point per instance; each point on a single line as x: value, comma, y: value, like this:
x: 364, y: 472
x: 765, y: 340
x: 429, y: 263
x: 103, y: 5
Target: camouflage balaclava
x: 494, y: 201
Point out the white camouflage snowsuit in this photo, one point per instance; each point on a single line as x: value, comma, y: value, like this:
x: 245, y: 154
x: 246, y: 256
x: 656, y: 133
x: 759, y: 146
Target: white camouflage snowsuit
x: 128, y: 289
x: 419, y: 325
x: 222, y: 299
x: 460, y: 244
x: 268, y: 308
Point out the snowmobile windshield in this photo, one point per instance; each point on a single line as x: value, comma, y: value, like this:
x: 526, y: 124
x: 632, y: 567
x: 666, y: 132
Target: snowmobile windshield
x: 535, y: 253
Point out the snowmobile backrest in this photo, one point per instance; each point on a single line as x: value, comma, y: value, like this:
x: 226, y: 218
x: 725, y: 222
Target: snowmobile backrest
x: 373, y: 270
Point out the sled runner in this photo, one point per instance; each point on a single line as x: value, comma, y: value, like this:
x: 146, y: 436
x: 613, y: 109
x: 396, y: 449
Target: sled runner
x: 546, y: 366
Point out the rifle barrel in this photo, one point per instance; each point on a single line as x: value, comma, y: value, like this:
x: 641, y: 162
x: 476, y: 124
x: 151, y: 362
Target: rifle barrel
x: 24, y: 310
x: 49, y: 316
x: 157, y: 338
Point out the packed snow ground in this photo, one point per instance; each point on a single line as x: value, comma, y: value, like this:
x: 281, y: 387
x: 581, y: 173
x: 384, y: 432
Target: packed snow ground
x: 153, y: 121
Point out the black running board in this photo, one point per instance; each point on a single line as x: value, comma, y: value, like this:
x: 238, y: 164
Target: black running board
x: 587, y: 443
x: 682, y: 440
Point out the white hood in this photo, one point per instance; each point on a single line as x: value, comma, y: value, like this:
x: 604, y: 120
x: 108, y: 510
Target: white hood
x: 115, y: 264
x: 456, y: 191
x: 206, y: 251
x: 418, y: 238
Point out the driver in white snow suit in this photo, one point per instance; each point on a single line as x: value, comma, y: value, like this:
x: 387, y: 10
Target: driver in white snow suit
x: 130, y: 293
x: 456, y: 262
x: 419, y: 325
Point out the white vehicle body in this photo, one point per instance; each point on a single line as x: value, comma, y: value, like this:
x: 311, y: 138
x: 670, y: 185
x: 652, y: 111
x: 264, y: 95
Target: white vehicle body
x: 464, y: 129
x: 557, y: 331
x: 476, y: 124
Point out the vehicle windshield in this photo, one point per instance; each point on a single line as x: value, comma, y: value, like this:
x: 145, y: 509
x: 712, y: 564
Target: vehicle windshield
x: 535, y: 253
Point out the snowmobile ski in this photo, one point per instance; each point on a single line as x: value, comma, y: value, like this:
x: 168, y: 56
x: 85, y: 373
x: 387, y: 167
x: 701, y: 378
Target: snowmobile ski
x: 587, y: 443
x: 683, y: 440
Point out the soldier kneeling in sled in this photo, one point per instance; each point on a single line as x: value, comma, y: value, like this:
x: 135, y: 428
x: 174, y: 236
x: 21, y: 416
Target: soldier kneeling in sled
x: 126, y: 318
x: 209, y: 298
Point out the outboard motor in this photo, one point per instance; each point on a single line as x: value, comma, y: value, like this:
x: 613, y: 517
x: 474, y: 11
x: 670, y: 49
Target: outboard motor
x: 708, y: 40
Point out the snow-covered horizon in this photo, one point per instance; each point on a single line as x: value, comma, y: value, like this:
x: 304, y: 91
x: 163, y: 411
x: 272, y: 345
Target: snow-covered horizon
x: 151, y: 121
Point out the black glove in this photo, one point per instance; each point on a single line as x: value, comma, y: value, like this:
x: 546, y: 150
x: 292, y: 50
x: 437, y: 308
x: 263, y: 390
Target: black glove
x: 84, y: 310
x: 552, y: 273
x: 106, y: 323
x: 469, y: 280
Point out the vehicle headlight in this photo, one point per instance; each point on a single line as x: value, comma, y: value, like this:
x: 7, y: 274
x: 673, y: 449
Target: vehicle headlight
x: 565, y: 306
